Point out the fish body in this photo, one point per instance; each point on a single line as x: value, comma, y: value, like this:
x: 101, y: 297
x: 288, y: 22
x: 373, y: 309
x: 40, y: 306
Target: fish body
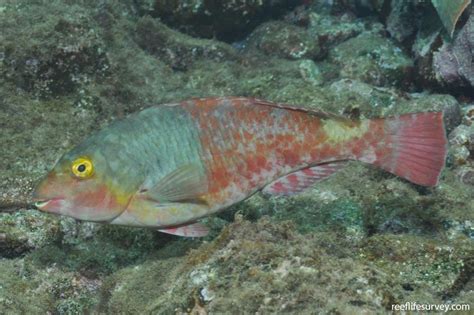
x: 170, y: 165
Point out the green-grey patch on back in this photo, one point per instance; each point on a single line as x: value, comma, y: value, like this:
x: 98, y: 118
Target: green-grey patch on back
x: 141, y: 149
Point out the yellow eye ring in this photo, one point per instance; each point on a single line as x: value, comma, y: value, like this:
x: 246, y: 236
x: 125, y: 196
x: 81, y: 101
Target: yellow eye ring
x: 82, y: 167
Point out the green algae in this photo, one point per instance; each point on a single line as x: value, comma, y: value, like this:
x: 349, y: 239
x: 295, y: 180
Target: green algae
x: 373, y: 59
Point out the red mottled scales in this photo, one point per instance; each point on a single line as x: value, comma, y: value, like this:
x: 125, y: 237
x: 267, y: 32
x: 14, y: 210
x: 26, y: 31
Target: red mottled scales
x: 250, y: 143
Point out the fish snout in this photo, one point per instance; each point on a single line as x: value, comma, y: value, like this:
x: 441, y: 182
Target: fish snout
x: 44, y: 196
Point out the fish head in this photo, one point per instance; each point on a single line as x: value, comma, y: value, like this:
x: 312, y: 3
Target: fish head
x: 81, y: 186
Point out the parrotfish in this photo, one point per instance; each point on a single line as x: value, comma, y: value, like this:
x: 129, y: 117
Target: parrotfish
x: 170, y: 165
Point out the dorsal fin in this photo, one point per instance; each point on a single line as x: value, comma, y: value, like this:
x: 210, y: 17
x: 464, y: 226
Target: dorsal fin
x: 315, y: 112
x: 299, y: 181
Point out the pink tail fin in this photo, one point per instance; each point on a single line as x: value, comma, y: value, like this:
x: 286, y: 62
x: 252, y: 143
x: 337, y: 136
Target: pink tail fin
x: 414, y: 147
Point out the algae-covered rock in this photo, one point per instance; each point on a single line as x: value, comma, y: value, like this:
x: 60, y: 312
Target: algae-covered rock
x: 372, y: 101
x: 30, y: 290
x: 227, y: 20
x: 176, y: 49
x: 374, y: 59
x: 468, y: 115
x: 367, y: 99
x: 53, y: 55
x: 461, y: 153
x: 422, y: 102
x: 402, y: 20
x: 268, y: 267
x: 284, y: 41
x: 21, y: 232
x: 427, y: 40
x: 332, y: 30
x: 453, y: 63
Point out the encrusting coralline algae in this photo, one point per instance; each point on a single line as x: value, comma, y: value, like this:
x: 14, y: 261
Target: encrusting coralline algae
x: 360, y: 241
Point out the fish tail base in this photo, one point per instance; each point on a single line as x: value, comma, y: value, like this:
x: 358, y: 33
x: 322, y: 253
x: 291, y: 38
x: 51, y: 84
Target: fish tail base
x: 414, y: 147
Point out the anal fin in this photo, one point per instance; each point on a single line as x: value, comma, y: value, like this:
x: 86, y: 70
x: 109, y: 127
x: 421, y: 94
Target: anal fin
x: 299, y: 181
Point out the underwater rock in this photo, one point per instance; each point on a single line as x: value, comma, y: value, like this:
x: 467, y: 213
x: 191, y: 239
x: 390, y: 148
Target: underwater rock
x: 23, y: 231
x: 466, y: 175
x: 52, y: 56
x: 178, y: 50
x: 427, y: 41
x: 422, y: 102
x: 401, y: 23
x: 357, y: 7
x: 226, y: 20
x: 463, y: 135
x: 311, y: 72
x: 267, y: 267
x: 284, y: 40
x: 373, y: 59
x: 372, y: 101
x: 458, y: 155
x: 468, y: 117
x: 369, y: 100
x: 453, y: 62
x: 461, y: 142
x: 29, y: 288
x: 332, y: 30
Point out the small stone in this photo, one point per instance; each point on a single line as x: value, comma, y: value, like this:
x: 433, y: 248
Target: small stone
x: 332, y: 30
x: 401, y: 20
x: 310, y: 72
x: 206, y: 295
x: 284, y: 40
x: 459, y: 136
x: 369, y: 99
x: 373, y: 59
x: 459, y: 155
x: 468, y: 115
x: 466, y: 175
x: 463, y: 136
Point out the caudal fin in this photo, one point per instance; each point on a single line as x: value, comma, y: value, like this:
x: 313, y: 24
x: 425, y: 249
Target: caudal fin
x: 414, y: 147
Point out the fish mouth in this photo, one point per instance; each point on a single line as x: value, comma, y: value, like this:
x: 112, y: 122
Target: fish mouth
x: 42, y: 203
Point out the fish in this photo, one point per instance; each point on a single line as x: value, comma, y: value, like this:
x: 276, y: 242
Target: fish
x: 168, y: 166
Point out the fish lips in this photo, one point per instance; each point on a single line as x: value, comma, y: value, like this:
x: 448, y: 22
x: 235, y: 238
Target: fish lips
x: 48, y: 205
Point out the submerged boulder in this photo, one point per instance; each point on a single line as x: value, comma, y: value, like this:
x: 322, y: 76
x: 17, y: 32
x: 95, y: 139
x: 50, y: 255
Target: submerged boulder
x: 54, y: 55
x: 177, y: 50
x: 226, y: 20
x: 373, y: 59
x: 285, y: 41
x: 453, y: 63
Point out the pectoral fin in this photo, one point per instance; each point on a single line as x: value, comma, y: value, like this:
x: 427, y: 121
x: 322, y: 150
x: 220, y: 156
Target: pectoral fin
x: 186, y: 183
x: 189, y: 230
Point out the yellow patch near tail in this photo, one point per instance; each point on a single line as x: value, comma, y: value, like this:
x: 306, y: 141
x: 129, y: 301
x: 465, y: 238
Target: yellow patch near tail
x: 341, y: 131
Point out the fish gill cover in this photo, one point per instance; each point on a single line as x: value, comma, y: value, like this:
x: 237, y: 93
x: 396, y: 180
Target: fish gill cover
x: 360, y: 241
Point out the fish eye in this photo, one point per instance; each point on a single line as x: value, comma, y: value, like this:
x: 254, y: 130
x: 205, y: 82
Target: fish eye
x: 82, y: 167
